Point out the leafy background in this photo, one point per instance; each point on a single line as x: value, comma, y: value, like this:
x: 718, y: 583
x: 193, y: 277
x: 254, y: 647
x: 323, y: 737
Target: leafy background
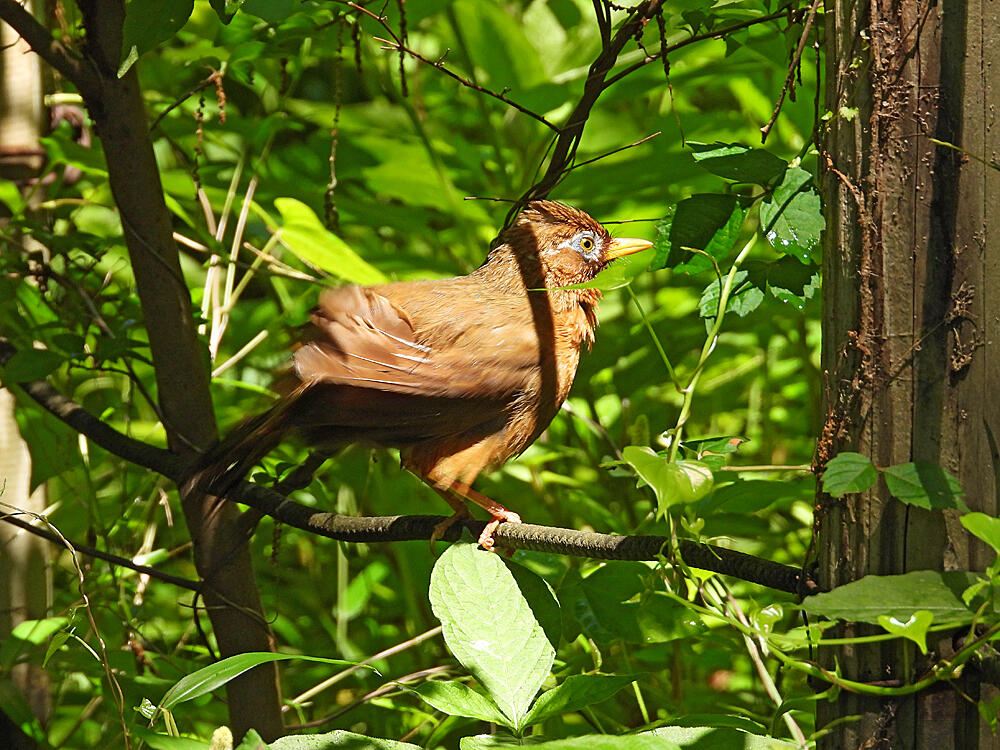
x: 288, y: 73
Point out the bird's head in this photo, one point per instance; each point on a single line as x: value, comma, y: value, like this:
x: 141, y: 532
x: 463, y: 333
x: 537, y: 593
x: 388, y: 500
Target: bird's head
x: 564, y: 244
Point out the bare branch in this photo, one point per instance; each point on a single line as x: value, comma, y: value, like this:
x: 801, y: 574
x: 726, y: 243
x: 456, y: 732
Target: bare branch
x: 716, y: 34
x: 85, y: 549
x: 595, y: 85
x: 792, y: 67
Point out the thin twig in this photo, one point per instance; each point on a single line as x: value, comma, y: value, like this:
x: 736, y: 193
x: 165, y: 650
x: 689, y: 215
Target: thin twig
x: 793, y: 66
x: 395, y: 44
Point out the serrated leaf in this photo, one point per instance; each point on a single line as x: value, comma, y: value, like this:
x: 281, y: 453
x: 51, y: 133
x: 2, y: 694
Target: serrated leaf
x: 924, y: 485
x: 304, y: 234
x: 897, y: 596
x: 214, y: 676
x: 147, y: 24
x: 743, y: 299
x: 848, y: 472
x: 913, y: 628
x: 983, y: 526
x: 576, y: 692
x: 792, y: 217
x: 681, y: 481
x: 741, y: 163
x: 709, y: 222
x: 490, y: 628
x: 458, y: 699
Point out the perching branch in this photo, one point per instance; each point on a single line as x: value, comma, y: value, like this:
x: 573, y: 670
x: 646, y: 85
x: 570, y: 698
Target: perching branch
x: 405, y: 528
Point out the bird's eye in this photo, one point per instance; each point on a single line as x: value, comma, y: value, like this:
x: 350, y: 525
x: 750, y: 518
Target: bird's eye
x: 586, y: 244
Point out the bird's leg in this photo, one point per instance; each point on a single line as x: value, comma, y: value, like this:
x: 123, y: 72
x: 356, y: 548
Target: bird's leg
x: 461, y: 513
x: 500, y: 514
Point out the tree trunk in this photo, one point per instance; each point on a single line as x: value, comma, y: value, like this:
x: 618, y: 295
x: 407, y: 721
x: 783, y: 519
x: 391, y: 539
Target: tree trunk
x: 911, y: 308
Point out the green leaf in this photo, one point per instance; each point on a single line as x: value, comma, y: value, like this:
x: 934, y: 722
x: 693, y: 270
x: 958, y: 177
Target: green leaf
x: 645, y: 741
x: 744, y: 297
x: 158, y: 741
x: 983, y: 526
x: 848, y: 472
x: 720, y: 738
x: 458, y: 699
x: 214, y: 676
x: 914, y: 627
x: 682, y: 481
x: 339, y: 738
x: 788, y: 280
x: 147, y: 24
x: 490, y: 627
x: 707, y: 221
x: 924, y: 485
x: 792, y: 217
x: 31, y: 364
x: 29, y: 635
x: 578, y: 691
x: 897, y: 596
x: 304, y: 234
x: 752, y: 495
x: 741, y: 163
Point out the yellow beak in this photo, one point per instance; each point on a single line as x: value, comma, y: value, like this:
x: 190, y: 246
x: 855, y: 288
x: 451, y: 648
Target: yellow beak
x: 621, y: 246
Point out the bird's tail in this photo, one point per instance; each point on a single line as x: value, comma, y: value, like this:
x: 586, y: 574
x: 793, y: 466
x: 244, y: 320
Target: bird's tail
x: 228, y: 462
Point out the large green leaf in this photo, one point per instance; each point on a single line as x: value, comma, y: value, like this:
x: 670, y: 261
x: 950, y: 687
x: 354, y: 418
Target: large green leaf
x: 304, y: 234
x: 339, y: 738
x: 490, y: 627
x: 585, y: 742
x: 744, y: 297
x: 897, y: 596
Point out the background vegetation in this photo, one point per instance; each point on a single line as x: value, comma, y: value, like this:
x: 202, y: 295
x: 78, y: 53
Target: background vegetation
x: 298, y: 146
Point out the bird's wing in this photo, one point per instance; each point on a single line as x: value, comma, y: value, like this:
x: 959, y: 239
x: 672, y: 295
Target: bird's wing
x: 431, y: 348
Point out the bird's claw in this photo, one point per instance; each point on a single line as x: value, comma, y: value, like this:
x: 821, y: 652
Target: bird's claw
x: 486, y: 538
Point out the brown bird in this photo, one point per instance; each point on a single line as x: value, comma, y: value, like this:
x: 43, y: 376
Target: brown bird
x: 460, y: 374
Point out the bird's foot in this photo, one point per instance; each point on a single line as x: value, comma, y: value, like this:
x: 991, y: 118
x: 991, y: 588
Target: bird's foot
x: 500, y: 515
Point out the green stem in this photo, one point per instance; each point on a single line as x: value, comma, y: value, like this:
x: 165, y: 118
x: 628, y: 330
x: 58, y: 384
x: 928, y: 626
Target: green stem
x: 710, y: 341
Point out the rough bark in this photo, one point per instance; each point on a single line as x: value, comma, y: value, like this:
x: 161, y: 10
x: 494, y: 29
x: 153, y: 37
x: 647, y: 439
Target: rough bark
x: 912, y: 304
